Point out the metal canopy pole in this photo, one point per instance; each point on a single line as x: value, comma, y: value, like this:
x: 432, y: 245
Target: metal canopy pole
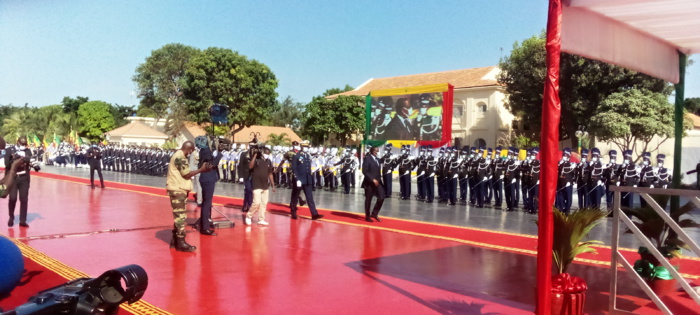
x: 678, y: 147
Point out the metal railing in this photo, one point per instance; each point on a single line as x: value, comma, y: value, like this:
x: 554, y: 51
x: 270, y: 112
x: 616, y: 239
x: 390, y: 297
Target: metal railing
x: 617, y: 258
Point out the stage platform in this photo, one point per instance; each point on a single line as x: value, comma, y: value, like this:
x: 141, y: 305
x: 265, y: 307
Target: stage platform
x: 338, y: 265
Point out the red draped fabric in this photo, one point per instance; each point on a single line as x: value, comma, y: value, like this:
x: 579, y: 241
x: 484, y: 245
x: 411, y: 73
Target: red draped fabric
x: 551, y: 111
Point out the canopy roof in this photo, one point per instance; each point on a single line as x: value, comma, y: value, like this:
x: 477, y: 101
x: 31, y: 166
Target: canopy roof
x: 643, y: 35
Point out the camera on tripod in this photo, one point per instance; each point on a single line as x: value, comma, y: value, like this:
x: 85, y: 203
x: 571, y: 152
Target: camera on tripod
x: 101, y: 295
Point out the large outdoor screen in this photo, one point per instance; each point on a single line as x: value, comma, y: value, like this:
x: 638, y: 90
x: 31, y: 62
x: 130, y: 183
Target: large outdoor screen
x: 418, y: 115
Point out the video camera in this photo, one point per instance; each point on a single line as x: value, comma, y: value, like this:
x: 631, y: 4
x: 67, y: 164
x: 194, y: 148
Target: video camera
x: 101, y: 295
x: 29, y: 161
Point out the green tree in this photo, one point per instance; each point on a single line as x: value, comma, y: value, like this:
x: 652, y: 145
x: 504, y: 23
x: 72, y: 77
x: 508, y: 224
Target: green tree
x: 160, y: 82
x: 71, y: 105
x: 278, y: 139
x: 632, y: 118
x: 222, y: 76
x: 120, y: 112
x: 692, y: 105
x: 342, y: 116
x: 288, y: 114
x: 17, y: 124
x: 95, y: 118
x: 584, y: 84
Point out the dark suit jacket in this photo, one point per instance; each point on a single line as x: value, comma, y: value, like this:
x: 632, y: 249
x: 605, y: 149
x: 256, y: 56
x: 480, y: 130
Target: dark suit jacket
x: 301, y: 167
x: 206, y: 156
x: 396, y: 130
x: 371, y: 169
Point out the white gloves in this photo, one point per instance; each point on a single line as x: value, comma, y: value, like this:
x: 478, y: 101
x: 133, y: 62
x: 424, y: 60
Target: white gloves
x: 568, y: 184
x: 651, y: 186
x: 513, y: 181
x: 502, y: 176
x: 485, y: 179
x: 216, y: 152
x: 538, y: 182
x: 298, y: 183
x: 490, y: 177
x: 407, y: 173
x: 617, y: 184
x: 240, y: 180
x: 432, y: 174
x: 600, y: 183
x: 635, y: 186
x: 456, y: 175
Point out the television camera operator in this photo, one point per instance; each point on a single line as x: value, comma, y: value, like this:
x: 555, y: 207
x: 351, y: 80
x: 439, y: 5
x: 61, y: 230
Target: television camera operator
x: 94, y: 158
x: 21, y: 182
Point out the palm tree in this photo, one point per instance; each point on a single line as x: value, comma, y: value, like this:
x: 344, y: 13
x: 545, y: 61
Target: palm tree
x: 18, y: 124
x: 281, y: 139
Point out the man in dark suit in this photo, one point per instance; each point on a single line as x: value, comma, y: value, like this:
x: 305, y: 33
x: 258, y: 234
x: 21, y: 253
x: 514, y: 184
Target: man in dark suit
x: 94, y: 157
x: 372, y: 184
x: 208, y: 181
x: 400, y: 127
x: 301, y: 167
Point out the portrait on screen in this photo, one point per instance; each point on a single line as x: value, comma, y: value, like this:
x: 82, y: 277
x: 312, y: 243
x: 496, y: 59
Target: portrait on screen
x: 407, y: 117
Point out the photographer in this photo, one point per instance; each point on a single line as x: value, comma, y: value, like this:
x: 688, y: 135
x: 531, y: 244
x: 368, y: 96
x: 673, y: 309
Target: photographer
x: 261, y: 176
x: 94, y: 157
x: 21, y: 182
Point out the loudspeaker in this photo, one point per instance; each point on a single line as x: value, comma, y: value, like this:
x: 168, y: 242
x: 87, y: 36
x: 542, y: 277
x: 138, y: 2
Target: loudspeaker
x: 458, y: 143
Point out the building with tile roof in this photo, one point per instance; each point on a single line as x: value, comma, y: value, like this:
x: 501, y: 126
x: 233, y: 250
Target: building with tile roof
x: 136, y: 133
x: 479, y: 115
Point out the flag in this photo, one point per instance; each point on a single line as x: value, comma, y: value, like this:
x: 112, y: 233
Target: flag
x: 56, y: 139
x: 46, y: 144
x: 36, y: 141
x: 80, y: 140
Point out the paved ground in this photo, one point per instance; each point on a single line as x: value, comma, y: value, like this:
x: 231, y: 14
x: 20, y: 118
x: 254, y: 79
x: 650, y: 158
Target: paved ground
x: 460, y: 215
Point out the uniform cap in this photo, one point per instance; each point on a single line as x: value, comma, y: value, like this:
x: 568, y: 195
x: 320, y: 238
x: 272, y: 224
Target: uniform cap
x: 627, y: 153
x: 535, y: 150
x: 305, y: 143
x: 660, y: 157
x: 584, y: 152
x: 567, y: 152
x: 612, y: 153
x: 595, y: 151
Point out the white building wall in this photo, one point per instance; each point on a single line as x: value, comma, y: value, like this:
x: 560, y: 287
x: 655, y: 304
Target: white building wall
x: 484, y: 119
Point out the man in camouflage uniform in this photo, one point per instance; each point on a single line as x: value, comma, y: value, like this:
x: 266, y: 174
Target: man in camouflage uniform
x: 178, y: 185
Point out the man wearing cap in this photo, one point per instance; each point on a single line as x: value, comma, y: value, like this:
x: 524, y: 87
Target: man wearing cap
x: 405, y: 166
x: 483, y: 171
x: 533, y: 189
x: 452, y: 177
x: 662, y: 174
x: 296, y: 190
x: 464, y: 174
x: 596, y: 181
x: 422, y: 162
x: 429, y: 178
x: 647, y: 176
x: 565, y: 176
x: 498, y: 175
x: 611, y: 176
x: 509, y: 187
x: 581, y: 177
x: 388, y: 164
x: 372, y: 183
x: 630, y: 178
x: 301, y: 167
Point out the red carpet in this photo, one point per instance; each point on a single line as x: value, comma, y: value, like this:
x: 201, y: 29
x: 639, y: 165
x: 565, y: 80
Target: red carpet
x: 297, y: 267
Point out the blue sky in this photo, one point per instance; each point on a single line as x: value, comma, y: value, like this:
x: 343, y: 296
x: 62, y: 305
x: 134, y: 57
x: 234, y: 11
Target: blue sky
x: 52, y: 49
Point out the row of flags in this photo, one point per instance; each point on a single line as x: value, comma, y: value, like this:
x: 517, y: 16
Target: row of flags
x: 72, y: 138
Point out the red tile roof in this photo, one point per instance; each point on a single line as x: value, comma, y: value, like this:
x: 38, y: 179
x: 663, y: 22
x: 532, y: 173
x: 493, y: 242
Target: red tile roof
x: 136, y: 129
x: 464, y: 78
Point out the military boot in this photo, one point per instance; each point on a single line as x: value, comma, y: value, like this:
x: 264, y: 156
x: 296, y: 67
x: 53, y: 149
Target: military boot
x: 182, y: 246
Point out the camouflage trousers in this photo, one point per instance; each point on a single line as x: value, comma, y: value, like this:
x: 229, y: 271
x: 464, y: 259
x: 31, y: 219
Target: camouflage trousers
x: 178, y: 200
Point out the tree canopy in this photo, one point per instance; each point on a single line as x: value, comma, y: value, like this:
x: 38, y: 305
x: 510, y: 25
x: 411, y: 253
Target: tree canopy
x: 95, y: 118
x: 160, y: 83
x: 584, y: 84
x: 342, y: 116
x: 633, y: 117
x: 222, y: 76
x: 288, y: 113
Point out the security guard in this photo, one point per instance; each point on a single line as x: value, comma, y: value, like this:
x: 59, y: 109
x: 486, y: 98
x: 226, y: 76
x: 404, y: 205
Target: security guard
x: 565, y: 177
x: 534, y: 186
x: 388, y: 162
x: 630, y: 178
x: 663, y: 176
x: 596, y: 181
x: 94, y: 157
x: 581, y: 178
x: 498, y: 168
x: 21, y: 183
x: 406, y: 165
x: 647, y: 176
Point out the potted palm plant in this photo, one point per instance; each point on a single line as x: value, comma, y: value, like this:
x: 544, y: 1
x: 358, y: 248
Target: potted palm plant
x: 664, y: 239
x: 569, y: 292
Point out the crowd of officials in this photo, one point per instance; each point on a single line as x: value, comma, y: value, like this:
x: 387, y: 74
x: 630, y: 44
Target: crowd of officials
x: 481, y: 177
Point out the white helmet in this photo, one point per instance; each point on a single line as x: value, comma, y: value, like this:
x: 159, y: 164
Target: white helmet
x: 242, y: 147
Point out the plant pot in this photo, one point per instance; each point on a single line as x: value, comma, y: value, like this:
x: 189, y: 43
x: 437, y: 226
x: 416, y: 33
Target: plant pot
x: 663, y: 287
x: 568, y: 303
